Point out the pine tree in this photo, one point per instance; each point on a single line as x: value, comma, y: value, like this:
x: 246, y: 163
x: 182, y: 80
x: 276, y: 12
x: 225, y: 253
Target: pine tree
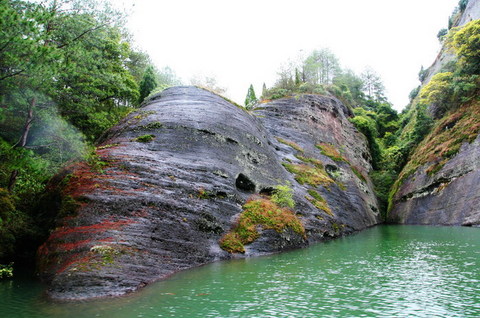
x: 148, y: 83
x: 264, y: 91
x: 251, y: 99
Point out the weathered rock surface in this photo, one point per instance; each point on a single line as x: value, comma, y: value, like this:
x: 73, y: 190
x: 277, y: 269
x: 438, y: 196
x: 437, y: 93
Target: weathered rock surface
x: 449, y: 197
x: 172, y: 178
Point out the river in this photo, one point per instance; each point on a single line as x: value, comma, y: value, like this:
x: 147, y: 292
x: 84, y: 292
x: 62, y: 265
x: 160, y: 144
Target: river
x: 385, y: 271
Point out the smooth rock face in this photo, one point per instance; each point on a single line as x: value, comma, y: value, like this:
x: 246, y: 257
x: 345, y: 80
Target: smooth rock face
x: 449, y: 197
x: 172, y: 179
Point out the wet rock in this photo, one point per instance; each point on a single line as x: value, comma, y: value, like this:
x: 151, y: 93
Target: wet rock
x: 152, y: 206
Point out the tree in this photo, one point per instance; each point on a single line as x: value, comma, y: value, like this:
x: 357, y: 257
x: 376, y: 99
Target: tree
x: 372, y: 85
x: 441, y: 34
x: 264, y: 91
x: 251, y: 99
x: 209, y: 83
x: 353, y: 83
x: 462, y: 5
x: 148, y: 83
x: 321, y: 66
x: 465, y: 42
x: 166, y: 78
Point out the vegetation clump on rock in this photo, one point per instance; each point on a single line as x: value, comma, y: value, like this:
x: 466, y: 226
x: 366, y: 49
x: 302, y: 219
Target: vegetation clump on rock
x: 262, y: 212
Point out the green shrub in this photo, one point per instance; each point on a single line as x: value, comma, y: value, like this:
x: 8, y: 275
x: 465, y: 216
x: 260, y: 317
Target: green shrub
x: 263, y: 212
x: 283, y: 196
x: 6, y: 271
x: 145, y: 138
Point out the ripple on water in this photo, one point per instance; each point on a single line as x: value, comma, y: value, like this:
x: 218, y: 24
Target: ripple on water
x: 404, y: 271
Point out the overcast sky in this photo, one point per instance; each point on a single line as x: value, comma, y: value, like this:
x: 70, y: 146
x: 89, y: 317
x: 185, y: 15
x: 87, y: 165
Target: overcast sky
x: 244, y: 42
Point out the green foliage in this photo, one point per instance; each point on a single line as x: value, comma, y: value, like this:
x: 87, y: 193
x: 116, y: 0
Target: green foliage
x: 6, y: 271
x: 383, y: 181
x: 145, y: 138
x: 251, y: 99
x: 62, y: 62
x: 450, y: 98
x: 372, y: 85
x: 320, y: 67
x: 365, y: 122
x: 330, y: 151
x: 283, y: 196
x: 438, y: 90
x: 465, y: 42
x: 414, y: 93
x: 462, y: 4
x: 259, y: 212
x: 422, y: 74
x: 152, y: 126
x: 441, y: 34
x: 320, y: 73
x: 292, y: 144
x: 107, y: 252
x: 264, y: 91
x: 148, y: 83
x: 307, y: 174
x: 351, y: 83
x: 318, y: 201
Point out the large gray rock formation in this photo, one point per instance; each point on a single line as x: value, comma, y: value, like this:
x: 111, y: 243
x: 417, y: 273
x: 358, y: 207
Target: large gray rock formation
x: 449, y: 197
x: 171, y: 179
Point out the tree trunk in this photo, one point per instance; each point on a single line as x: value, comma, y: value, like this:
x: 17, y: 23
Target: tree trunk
x: 28, y: 124
x: 12, y: 180
x: 22, y: 141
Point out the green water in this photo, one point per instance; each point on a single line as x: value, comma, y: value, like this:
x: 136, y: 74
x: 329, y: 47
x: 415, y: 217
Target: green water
x: 386, y: 271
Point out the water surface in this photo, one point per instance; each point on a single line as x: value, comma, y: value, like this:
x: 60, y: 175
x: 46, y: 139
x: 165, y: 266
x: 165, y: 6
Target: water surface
x: 386, y: 271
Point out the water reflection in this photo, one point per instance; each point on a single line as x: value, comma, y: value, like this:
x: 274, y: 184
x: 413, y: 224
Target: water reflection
x: 383, y: 272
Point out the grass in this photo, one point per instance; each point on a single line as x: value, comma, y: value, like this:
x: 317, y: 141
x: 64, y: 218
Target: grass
x: 317, y: 163
x: 357, y: 172
x: 330, y: 151
x: 318, y: 201
x: 259, y: 212
x: 152, y: 126
x: 290, y: 143
x: 306, y: 174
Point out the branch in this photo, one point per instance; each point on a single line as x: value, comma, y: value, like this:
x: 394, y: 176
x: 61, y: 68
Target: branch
x: 81, y: 35
x: 11, y: 75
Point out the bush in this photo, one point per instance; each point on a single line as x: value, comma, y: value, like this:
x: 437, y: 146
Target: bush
x: 283, y: 196
x: 6, y: 270
x: 145, y: 138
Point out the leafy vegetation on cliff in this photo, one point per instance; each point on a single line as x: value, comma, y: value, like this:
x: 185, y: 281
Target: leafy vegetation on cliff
x: 446, y: 110
x: 269, y: 213
x: 68, y: 71
x: 320, y: 73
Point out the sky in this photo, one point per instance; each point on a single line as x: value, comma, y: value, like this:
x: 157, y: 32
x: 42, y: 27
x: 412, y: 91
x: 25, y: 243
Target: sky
x: 245, y: 42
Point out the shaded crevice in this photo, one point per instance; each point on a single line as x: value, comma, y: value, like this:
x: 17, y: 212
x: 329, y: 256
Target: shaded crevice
x: 244, y: 183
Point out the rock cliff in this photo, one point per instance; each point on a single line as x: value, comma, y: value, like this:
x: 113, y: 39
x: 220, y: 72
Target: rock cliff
x: 171, y: 182
x: 440, y: 185
x: 437, y: 188
x: 460, y: 18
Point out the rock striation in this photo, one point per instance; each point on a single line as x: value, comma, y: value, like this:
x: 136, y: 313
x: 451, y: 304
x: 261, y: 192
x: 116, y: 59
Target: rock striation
x: 172, y: 179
